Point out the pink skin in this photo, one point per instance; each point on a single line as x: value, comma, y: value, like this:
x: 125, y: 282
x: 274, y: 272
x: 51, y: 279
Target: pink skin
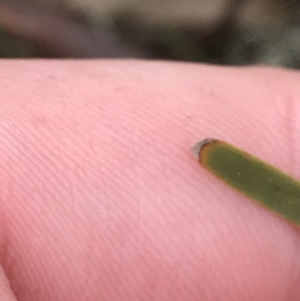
x: 101, y: 198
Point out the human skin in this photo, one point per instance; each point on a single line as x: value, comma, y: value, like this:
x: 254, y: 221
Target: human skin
x: 101, y: 198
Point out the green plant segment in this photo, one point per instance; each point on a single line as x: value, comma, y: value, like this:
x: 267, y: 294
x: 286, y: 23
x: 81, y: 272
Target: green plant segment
x: 251, y: 176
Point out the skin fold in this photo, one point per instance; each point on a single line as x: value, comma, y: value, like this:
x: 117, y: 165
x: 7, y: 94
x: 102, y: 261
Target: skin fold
x: 102, y: 199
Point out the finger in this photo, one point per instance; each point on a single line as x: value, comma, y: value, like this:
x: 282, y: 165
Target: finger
x: 102, y: 198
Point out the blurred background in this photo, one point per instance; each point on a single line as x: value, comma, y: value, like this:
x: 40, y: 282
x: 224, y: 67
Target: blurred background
x: 225, y: 32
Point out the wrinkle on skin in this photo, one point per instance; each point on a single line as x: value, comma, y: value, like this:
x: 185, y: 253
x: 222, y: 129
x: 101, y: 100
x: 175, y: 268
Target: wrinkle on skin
x: 103, y: 200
